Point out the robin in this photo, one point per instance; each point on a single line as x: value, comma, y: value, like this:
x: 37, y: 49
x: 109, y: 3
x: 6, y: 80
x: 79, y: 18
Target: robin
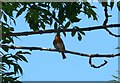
x: 59, y: 45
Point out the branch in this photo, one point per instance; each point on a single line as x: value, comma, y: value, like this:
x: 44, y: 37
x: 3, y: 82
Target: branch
x: 66, y: 51
x: 61, y: 30
x: 94, y: 66
x: 105, y: 23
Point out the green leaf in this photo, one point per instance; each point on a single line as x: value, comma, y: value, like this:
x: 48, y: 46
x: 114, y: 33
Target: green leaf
x: 43, y: 25
x: 16, y: 68
x: 93, y: 14
x: 27, y: 17
x: 20, y: 52
x: 16, y: 58
x: 67, y: 25
x: 16, y: 79
x: 79, y: 37
x: 76, y: 27
x: 5, y: 18
x: 9, y: 73
x: 6, y: 41
x: 51, y: 21
x: 73, y: 32
x: 20, y: 69
x: 111, y: 4
x: 53, y: 13
x: 93, y: 6
x: 82, y: 32
x: 8, y: 79
x: 13, y: 20
x: 61, y: 15
x: 26, y: 53
x: 11, y: 40
x: 75, y: 19
x: 9, y: 63
x: 115, y: 76
x: 5, y: 48
x: 117, y: 48
x: 104, y: 3
x: 118, y: 5
x: 54, y: 5
x: 20, y: 11
x: 55, y: 25
x: 4, y: 58
x: 64, y: 33
x: 23, y: 58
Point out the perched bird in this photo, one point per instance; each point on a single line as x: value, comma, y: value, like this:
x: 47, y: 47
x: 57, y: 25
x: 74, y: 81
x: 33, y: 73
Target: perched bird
x: 59, y: 45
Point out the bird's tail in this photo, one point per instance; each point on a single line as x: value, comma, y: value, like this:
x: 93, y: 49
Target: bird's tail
x: 63, y: 55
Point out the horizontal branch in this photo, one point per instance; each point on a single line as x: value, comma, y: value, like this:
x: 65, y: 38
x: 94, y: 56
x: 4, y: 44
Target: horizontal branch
x: 61, y: 30
x: 66, y: 51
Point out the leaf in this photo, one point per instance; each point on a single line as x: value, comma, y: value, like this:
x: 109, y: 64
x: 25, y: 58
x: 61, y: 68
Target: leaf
x: 54, y: 5
x: 16, y: 58
x: 5, y: 24
x: 73, y: 32
x: 20, y: 11
x: 67, y: 25
x: 117, y: 48
x: 20, y: 52
x: 115, y: 76
x: 93, y: 6
x: 5, y: 18
x: 4, y: 58
x: 23, y: 58
x: 64, y: 33
x: 5, y: 48
x: 8, y: 79
x: 16, y: 69
x: 9, y: 73
x: 51, y: 21
x: 20, y: 69
x: 111, y: 4
x: 75, y: 19
x: 16, y: 79
x: 4, y: 69
x: 118, y: 5
x: 6, y: 41
x: 43, y: 25
x: 9, y: 63
x: 27, y: 17
x: 104, y: 3
x: 53, y: 13
x: 79, y: 37
x: 13, y: 20
x: 61, y: 15
x: 55, y: 25
x: 93, y: 14
x: 82, y: 32
x: 11, y: 40
x: 26, y: 53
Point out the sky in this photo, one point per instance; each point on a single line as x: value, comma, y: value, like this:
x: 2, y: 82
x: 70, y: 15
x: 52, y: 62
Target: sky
x: 49, y: 66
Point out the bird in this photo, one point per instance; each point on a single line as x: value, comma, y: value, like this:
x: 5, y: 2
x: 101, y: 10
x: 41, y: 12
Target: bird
x: 59, y: 45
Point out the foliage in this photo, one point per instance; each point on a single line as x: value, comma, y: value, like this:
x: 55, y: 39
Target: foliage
x: 38, y: 16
